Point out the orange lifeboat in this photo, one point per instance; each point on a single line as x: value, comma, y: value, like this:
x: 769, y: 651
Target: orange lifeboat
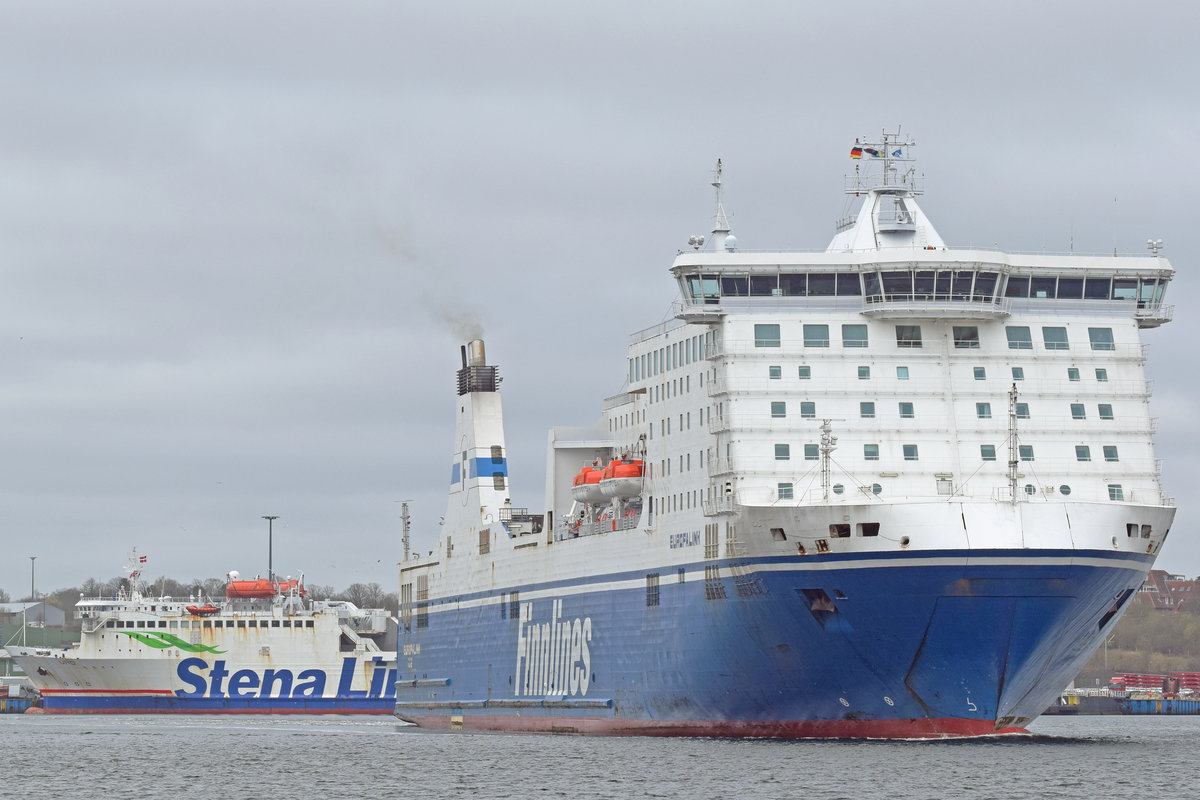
x: 202, y: 611
x: 586, y: 486
x: 260, y: 588
x: 622, y: 478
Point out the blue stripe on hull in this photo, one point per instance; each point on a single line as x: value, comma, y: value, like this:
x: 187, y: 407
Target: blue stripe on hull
x: 161, y: 704
x: 773, y: 649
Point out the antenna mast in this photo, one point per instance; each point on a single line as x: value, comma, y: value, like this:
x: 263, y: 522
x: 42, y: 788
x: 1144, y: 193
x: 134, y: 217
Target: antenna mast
x: 404, y: 519
x: 828, y: 445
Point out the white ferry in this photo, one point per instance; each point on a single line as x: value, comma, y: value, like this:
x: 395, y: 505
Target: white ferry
x: 889, y: 489
x: 263, y: 649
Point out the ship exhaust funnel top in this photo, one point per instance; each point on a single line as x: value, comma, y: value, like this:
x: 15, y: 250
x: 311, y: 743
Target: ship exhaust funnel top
x: 476, y: 375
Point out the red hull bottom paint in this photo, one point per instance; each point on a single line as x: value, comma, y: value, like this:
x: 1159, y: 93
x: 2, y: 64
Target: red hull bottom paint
x: 947, y: 728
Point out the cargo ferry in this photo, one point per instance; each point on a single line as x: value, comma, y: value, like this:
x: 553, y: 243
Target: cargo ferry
x: 890, y: 489
x: 264, y: 648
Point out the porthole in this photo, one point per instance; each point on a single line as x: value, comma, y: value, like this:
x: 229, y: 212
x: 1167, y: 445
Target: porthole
x: 1064, y: 489
x: 876, y: 488
x: 1029, y: 489
x: 838, y: 488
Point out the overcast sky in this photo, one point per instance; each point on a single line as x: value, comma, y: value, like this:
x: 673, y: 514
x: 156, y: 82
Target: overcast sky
x: 241, y: 242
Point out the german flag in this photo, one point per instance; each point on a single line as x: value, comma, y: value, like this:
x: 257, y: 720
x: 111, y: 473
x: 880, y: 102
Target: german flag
x: 856, y: 152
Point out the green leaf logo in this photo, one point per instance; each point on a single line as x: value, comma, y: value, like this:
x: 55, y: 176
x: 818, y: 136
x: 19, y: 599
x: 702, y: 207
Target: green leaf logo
x: 162, y: 641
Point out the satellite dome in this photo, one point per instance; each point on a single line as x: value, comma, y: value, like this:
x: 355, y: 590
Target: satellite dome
x: 233, y: 575
x: 731, y: 243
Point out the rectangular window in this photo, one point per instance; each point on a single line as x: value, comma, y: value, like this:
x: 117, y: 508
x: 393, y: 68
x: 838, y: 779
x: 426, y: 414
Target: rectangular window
x: 1083, y: 452
x: 871, y: 452
x: 783, y: 491
x: 805, y: 373
x: 808, y: 409
x: 1018, y: 373
x: 1105, y: 410
x: 1022, y: 410
x: 983, y: 410
x: 652, y: 589
x: 1101, y: 338
x: 783, y: 452
x: 908, y: 335
x: 1018, y: 337
x: 1055, y: 338
x: 854, y: 336
x: 906, y: 411
x: 1115, y: 492
x: 864, y: 373
x: 901, y: 373
x: 778, y: 408
x: 966, y: 337
x: 980, y: 373
x: 812, y: 452
x: 766, y: 335
x: 910, y: 452
x: 866, y: 410
x: 1110, y: 452
x: 1077, y: 411
x: 1072, y: 373
x: 775, y: 373
x: 816, y: 336
x: 1025, y: 451
x: 1101, y: 374
x: 987, y: 452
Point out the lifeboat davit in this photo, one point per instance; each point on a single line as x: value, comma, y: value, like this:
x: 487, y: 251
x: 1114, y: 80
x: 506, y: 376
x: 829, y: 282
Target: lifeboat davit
x: 202, y: 611
x: 260, y: 588
x: 622, y: 478
x: 586, y: 486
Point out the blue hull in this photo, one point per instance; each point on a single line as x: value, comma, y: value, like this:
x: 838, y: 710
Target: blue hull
x: 922, y: 644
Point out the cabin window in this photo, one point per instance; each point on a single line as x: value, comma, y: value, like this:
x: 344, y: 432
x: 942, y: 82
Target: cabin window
x: 1110, y: 452
x: 774, y: 373
x: 866, y: 409
x: 783, y: 452
x: 1101, y: 374
x: 901, y: 373
x: 966, y: 337
x: 868, y: 529
x: 906, y: 411
x: 778, y: 409
x: 1022, y: 410
x: 864, y: 373
x: 908, y: 335
x: 1101, y: 338
x: 1018, y: 373
x: 910, y: 452
x: 1115, y: 492
x: 1077, y: 411
x: 784, y: 491
x: 1072, y: 373
x: 804, y: 373
x: 816, y: 336
x: 1083, y: 452
x: 1055, y: 338
x: 1105, y: 410
x: 808, y: 409
x: 854, y: 336
x: 766, y: 335
x: 870, y: 452
x: 1019, y: 337
x: 983, y: 410
x: 980, y: 373
x: 1025, y: 452
x: 812, y: 452
x: 987, y: 452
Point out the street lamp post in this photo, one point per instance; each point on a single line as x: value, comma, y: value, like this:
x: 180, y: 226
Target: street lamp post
x: 32, y: 598
x: 270, y: 535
